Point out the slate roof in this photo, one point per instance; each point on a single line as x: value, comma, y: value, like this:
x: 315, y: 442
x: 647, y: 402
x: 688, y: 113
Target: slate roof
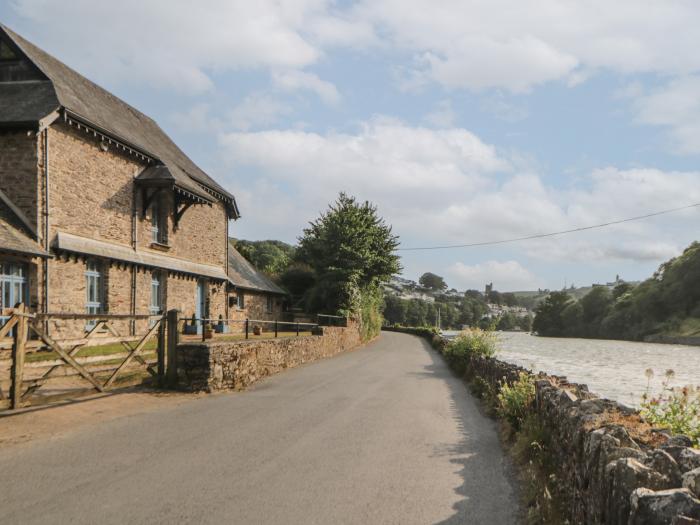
x: 14, y: 237
x: 244, y: 275
x: 95, y: 106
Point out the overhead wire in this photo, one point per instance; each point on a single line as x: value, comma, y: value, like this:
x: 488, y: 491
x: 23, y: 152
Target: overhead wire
x: 551, y: 234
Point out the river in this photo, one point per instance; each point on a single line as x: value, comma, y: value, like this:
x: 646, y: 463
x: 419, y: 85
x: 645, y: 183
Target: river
x: 612, y: 369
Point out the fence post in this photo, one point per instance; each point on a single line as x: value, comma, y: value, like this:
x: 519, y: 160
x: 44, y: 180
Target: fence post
x: 297, y: 329
x: 275, y: 328
x: 21, y: 332
x: 246, y: 328
x: 161, y: 352
x: 171, y: 370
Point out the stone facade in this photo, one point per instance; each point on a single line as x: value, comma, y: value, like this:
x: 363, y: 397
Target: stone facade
x: 92, y: 194
x: 612, y: 468
x: 234, y: 365
x: 255, y: 307
x: 19, y: 171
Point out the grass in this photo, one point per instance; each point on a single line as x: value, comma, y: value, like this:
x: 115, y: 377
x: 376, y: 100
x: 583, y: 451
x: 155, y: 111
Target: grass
x: 89, y: 351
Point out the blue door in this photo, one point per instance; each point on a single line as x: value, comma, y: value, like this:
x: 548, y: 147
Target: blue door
x: 201, y: 304
x: 13, y: 286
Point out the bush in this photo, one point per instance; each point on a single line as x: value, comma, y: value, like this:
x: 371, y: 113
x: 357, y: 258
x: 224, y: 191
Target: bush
x: 677, y: 409
x: 370, y: 302
x: 467, y: 345
x: 515, y: 400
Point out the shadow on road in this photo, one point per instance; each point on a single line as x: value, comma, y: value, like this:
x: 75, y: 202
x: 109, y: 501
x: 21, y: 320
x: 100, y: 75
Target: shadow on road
x: 488, y: 493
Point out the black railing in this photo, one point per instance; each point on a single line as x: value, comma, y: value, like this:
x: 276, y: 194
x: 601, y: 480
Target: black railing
x: 332, y: 320
x: 255, y: 326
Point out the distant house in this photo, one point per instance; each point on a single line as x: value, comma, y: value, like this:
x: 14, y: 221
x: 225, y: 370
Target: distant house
x: 253, y: 294
x: 100, y: 211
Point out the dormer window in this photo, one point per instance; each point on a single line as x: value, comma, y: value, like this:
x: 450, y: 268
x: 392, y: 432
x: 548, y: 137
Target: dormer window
x: 6, y: 52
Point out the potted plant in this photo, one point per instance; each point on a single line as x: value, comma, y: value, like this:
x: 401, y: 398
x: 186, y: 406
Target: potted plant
x: 190, y: 328
x: 220, y: 327
x: 257, y: 330
x: 208, y: 332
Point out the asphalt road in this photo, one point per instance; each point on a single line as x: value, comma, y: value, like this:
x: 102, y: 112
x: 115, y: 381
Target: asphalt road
x: 385, y: 434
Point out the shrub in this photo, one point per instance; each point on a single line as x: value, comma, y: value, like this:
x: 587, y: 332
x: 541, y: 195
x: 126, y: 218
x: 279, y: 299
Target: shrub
x: 467, y: 345
x: 515, y: 400
x: 677, y: 409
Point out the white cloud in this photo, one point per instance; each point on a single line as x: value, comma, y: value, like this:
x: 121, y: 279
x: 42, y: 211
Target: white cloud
x: 517, y: 45
x: 505, y: 276
x: 293, y: 80
x: 446, y: 186
x: 175, y: 44
x: 675, y: 106
x: 258, y: 110
x: 473, y: 44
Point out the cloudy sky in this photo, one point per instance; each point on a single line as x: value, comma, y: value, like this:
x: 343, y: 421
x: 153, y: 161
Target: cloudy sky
x: 463, y: 120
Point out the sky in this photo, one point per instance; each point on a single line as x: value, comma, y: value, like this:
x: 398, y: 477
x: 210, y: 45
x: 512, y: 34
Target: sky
x: 462, y: 120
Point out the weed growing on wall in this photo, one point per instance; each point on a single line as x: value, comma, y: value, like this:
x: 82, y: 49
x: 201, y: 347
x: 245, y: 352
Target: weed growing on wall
x: 677, y: 409
x: 515, y: 400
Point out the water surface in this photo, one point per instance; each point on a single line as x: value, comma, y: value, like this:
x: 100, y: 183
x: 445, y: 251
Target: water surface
x: 612, y: 369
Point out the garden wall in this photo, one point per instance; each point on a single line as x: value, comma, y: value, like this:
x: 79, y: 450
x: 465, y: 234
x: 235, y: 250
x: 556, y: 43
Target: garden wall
x: 234, y: 365
x: 612, y: 467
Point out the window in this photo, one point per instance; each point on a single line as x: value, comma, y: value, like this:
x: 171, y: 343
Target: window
x: 156, y: 305
x: 156, y: 223
x: 270, y: 304
x: 13, y: 286
x: 95, y: 292
x: 240, y: 300
x: 159, y: 223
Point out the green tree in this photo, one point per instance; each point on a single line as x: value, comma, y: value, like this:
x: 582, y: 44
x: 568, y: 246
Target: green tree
x: 395, y: 309
x: 432, y: 282
x: 548, y: 315
x: 352, y: 252
x: 272, y: 257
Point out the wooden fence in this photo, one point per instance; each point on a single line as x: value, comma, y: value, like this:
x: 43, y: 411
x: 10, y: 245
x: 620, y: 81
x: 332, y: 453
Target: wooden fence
x: 42, y: 369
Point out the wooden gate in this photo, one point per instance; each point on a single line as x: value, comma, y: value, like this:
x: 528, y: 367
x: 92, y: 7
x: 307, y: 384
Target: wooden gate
x: 36, y: 360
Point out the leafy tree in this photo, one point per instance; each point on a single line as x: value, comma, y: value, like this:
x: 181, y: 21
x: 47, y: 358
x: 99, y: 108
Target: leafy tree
x: 395, y: 309
x: 548, y: 315
x: 432, y: 282
x: 352, y: 252
x: 272, y: 257
x: 507, y: 322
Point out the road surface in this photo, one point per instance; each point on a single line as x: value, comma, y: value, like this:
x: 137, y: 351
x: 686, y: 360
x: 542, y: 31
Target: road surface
x: 385, y: 434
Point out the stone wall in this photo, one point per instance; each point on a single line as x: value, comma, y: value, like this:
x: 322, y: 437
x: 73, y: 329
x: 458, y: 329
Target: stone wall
x: 19, y: 171
x: 234, y: 365
x: 612, y: 467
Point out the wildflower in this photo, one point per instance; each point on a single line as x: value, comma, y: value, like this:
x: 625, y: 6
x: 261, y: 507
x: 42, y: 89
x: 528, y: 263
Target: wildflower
x: 649, y: 372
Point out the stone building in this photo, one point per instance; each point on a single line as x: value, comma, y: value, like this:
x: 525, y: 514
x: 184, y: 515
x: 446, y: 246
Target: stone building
x: 100, y: 212
x: 253, y: 294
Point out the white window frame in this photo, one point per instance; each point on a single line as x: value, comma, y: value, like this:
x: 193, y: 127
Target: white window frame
x: 156, y: 222
x: 270, y: 304
x: 155, y: 306
x: 94, y: 290
x: 240, y: 300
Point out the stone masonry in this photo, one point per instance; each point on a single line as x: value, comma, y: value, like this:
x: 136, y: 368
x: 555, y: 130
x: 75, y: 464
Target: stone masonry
x: 234, y: 365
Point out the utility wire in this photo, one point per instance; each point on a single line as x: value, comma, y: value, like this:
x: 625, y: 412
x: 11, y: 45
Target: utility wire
x: 551, y: 234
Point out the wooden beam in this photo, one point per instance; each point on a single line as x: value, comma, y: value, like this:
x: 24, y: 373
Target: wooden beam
x: 180, y: 212
x: 68, y: 359
x: 133, y: 353
x: 18, y: 360
x: 171, y: 352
